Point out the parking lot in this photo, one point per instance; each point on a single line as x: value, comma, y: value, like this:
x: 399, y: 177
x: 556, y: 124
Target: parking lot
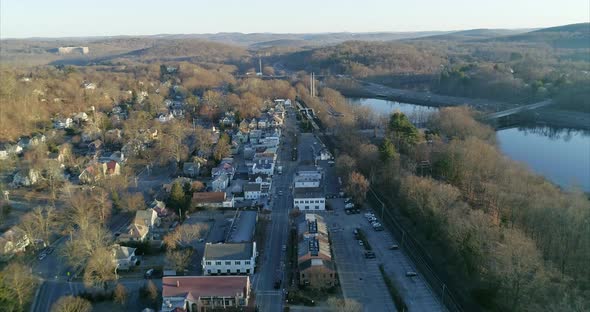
x: 352, y: 266
x: 360, y: 278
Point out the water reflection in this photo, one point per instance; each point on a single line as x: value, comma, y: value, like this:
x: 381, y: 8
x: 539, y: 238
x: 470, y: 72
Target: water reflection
x: 560, y: 154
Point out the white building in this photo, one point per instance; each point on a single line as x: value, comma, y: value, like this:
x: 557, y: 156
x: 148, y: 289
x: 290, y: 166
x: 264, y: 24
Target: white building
x: 309, y: 198
x: 252, y: 191
x: 229, y: 259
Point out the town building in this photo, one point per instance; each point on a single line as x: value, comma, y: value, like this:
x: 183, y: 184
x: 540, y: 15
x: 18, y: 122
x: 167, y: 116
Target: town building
x: 229, y: 258
x: 212, y: 200
x: 309, y: 198
x: 205, y: 293
x: 252, y: 191
x: 315, y: 265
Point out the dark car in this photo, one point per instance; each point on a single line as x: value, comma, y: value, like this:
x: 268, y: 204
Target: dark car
x: 370, y: 255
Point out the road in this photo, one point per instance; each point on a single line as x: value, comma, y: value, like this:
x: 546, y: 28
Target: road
x: 431, y: 99
x: 273, y: 263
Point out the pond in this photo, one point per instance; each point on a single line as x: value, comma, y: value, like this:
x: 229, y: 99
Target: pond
x: 561, y: 155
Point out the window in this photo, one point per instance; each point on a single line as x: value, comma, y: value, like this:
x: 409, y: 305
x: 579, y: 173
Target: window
x: 247, y: 271
x: 227, y: 262
x: 217, y: 262
x: 208, y: 271
x: 321, y: 201
x: 218, y: 271
x: 238, y: 262
x: 317, y: 207
x: 208, y: 262
x: 228, y: 271
x: 238, y: 271
x: 247, y: 262
x: 306, y: 207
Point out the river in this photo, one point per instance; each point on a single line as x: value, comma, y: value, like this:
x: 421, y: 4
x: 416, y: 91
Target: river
x: 561, y: 155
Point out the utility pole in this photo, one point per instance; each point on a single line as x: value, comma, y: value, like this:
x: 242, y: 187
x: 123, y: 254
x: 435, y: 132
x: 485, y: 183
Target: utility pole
x: 260, y: 65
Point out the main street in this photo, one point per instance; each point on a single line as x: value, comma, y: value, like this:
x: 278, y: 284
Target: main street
x: 273, y: 264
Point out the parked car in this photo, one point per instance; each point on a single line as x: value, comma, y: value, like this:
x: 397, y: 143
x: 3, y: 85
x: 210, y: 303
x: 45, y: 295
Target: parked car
x: 394, y: 247
x: 369, y: 255
x: 42, y: 256
x: 148, y: 274
x: 349, y: 206
x: 284, y: 247
x: 361, y: 243
x: 411, y: 274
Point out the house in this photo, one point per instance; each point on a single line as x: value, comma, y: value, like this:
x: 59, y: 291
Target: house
x: 191, y: 169
x: 224, y: 168
x: 148, y: 217
x: 160, y: 208
x: 240, y: 137
x: 163, y: 117
x: 111, y: 168
x: 97, y: 170
x: 315, y: 265
x: 63, y: 123
x: 124, y: 257
x: 7, y: 150
x: 265, y: 183
x: 229, y: 258
x: 255, y: 135
x: 134, y: 233
x: 13, y: 241
x: 220, y: 183
x: 26, y: 177
x: 205, y: 293
x: 212, y: 199
x: 80, y: 117
x: 244, y: 126
x: 309, y: 198
x: 252, y: 191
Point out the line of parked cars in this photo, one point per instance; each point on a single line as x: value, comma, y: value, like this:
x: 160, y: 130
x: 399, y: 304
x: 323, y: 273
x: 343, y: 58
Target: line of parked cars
x: 350, y: 208
x: 377, y: 226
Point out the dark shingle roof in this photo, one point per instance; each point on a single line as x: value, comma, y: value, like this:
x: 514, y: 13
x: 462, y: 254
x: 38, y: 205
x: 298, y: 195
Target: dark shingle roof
x: 229, y: 251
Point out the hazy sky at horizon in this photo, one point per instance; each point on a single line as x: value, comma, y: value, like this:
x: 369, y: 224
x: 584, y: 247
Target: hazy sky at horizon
x: 62, y: 18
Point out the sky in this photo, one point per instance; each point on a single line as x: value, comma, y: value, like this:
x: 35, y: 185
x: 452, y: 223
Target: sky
x: 65, y: 18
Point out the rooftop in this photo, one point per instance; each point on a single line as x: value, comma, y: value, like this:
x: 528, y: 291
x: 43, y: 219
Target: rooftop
x: 243, y: 227
x: 228, y: 251
x: 208, y: 197
x: 308, y: 192
x: 204, y: 286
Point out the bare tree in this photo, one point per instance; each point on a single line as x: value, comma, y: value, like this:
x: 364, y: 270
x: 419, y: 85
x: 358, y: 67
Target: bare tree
x: 179, y: 259
x: 133, y: 202
x: 71, y: 304
x: 40, y: 223
x: 357, y: 185
x: 120, y: 294
x: 82, y: 245
x: 17, y: 282
x: 185, y: 234
x: 100, y: 268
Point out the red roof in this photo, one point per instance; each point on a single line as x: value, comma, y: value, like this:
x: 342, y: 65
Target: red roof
x: 205, y: 286
x: 208, y: 197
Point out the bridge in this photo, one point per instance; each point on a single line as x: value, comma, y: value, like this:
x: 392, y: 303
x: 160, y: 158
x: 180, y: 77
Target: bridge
x: 519, y: 109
